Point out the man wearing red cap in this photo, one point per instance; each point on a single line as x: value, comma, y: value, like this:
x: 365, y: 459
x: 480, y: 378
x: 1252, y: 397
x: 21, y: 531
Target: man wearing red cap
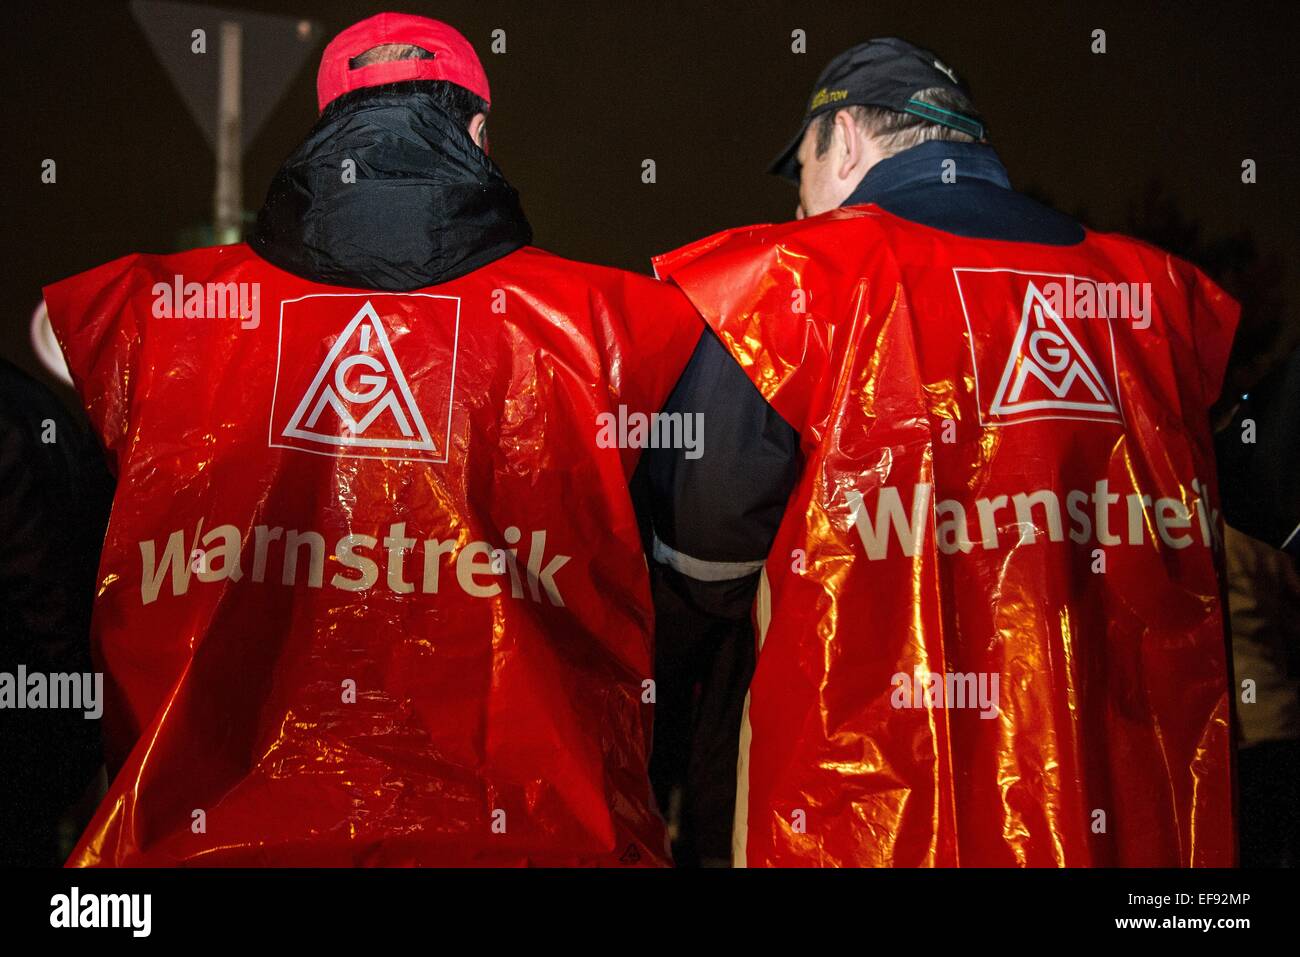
x: 373, y: 590
x: 391, y: 47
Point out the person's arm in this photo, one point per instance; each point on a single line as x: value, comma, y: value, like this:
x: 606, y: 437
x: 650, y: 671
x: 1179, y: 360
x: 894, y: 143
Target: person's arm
x: 1259, y: 461
x: 715, y: 515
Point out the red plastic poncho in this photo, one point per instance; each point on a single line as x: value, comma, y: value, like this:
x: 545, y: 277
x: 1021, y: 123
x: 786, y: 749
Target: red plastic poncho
x: 990, y: 627
x: 372, y: 590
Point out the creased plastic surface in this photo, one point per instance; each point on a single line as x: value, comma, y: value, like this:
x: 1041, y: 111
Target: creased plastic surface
x: 373, y: 653
x: 954, y: 518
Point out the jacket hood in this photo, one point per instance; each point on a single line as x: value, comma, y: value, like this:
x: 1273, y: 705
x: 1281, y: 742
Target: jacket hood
x: 426, y: 207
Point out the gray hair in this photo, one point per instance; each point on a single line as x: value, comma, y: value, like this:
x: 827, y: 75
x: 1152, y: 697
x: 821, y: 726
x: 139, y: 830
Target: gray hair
x: 894, y: 131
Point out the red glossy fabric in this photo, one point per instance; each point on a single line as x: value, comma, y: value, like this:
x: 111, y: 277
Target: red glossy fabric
x: 997, y: 487
x: 372, y: 592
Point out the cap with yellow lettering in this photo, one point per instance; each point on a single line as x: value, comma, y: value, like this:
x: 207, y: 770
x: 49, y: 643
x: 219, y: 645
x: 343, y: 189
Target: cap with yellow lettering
x: 887, y: 72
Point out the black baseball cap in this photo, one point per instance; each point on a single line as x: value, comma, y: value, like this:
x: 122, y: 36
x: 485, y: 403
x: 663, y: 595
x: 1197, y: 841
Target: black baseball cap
x: 887, y: 72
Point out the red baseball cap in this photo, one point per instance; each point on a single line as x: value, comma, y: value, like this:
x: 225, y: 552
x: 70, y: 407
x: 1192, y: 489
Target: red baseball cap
x: 453, y: 60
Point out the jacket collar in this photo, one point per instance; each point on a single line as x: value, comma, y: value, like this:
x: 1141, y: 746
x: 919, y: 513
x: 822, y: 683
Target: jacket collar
x: 425, y: 205
x: 923, y: 164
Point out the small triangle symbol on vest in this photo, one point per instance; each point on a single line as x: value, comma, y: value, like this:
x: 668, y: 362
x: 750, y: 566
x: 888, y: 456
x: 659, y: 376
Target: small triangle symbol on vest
x: 359, y: 395
x: 1047, y: 367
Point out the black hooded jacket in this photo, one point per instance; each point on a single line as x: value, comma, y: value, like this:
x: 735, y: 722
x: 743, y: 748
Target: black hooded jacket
x: 421, y: 205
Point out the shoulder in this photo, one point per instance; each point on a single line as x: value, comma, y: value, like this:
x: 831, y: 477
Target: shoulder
x: 834, y: 233
x: 1158, y: 262
x: 156, y: 265
x: 533, y: 259
x: 583, y: 277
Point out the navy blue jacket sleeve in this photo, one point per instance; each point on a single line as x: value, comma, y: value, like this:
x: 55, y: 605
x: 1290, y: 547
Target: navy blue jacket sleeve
x: 716, y: 508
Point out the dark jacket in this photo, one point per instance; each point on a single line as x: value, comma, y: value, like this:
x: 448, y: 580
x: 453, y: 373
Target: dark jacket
x: 1259, y: 459
x: 419, y: 204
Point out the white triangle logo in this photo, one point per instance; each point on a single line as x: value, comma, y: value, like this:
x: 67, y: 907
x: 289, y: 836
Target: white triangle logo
x: 380, y: 401
x: 1046, y: 354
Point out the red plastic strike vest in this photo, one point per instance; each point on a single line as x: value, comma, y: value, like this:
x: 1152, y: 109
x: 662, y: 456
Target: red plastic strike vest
x: 372, y: 590
x: 991, y: 630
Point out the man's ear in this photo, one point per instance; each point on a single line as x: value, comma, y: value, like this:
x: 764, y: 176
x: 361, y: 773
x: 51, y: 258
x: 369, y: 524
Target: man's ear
x: 478, y: 130
x: 849, y: 146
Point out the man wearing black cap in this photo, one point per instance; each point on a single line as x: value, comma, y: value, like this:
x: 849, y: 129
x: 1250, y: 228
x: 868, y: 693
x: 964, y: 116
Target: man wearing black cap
x: 875, y: 101
x: 883, y: 119
x: 901, y: 406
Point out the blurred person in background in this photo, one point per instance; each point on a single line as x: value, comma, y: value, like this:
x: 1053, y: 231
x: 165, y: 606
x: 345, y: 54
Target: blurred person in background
x: 1259, y: 459
x: 1264, y: 611
x: 52, y: 517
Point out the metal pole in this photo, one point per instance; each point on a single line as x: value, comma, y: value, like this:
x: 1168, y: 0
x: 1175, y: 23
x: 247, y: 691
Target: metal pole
x: 227, y: 199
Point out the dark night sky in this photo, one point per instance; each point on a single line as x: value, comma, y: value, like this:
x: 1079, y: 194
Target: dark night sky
x: 588, y: 90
